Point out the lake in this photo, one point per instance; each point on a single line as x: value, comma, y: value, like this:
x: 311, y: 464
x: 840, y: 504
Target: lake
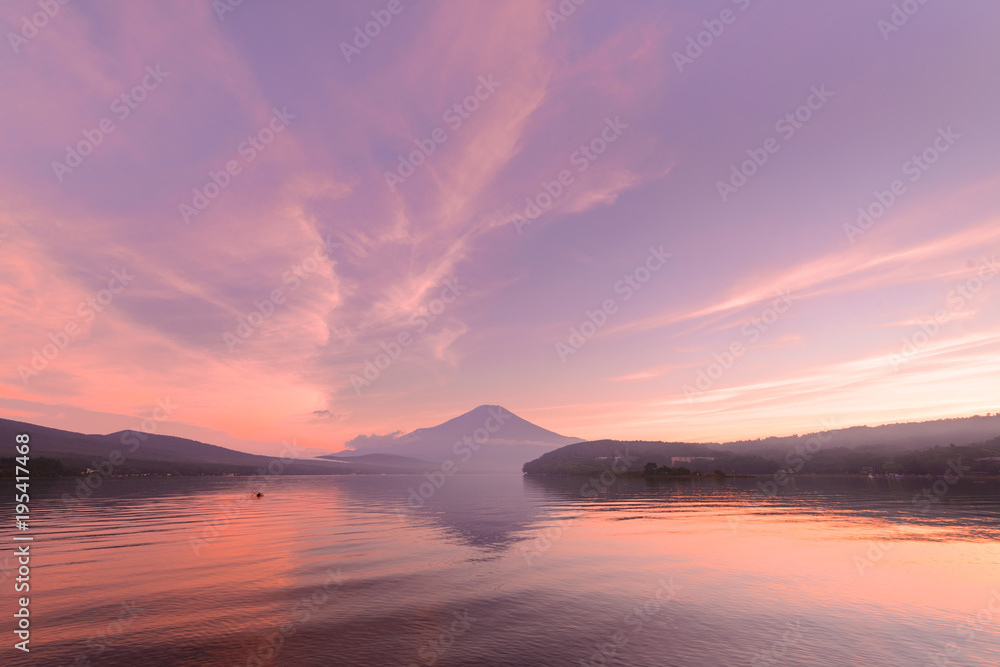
x: 506, y: 570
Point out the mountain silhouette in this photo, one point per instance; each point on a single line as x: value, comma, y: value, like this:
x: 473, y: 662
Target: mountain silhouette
x: 488, y: 438
x: 135, y: 452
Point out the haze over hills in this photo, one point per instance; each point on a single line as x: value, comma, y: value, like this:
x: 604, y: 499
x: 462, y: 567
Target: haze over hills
x: 492, y: 439
x: 487, y: 438
x: 161, y: 454
x: 893, y: 437
x: 917, y: 448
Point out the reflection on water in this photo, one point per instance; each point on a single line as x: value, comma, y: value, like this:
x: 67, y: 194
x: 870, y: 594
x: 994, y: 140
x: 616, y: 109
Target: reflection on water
x: 505, y: 570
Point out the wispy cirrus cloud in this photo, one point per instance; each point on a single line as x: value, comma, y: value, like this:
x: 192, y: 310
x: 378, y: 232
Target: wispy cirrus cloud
x: 320, y: 184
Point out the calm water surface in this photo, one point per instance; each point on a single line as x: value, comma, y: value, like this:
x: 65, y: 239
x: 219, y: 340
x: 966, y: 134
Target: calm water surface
x: 503, y: 570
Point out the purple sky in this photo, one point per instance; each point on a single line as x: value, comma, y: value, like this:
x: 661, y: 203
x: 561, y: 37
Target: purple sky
x: 653, y: 293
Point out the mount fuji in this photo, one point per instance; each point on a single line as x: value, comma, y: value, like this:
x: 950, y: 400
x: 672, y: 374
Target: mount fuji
x: 488, y: 438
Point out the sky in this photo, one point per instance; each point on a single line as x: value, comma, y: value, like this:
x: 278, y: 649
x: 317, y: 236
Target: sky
x: 686, y: 220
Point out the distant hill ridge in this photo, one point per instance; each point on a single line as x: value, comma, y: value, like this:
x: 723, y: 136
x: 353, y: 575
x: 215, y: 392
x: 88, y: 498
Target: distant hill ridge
x: 899, y: 436
x: 913, y: 447
x: 490, y: 438
x: 148, y: 453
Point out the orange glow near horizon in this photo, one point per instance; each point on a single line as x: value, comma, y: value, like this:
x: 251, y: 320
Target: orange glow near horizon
x: 275, y: 312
